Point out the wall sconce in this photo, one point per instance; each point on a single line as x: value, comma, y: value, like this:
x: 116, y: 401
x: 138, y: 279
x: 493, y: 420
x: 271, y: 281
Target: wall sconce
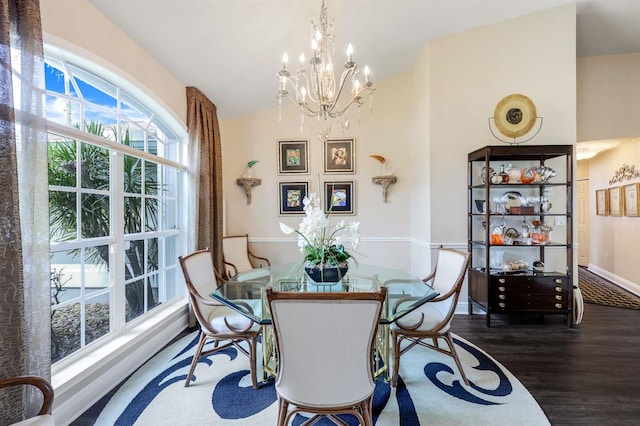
x: 386, y: 178
x: 248, y: 184
x: 386, y: 182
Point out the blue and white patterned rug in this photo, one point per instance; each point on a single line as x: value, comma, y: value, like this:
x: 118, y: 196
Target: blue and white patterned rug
x: 429, y: 391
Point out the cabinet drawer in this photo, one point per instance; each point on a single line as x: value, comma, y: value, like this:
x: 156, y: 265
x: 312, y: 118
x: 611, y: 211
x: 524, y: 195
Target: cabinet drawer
x: 516, y: 301
x: 529, y: 283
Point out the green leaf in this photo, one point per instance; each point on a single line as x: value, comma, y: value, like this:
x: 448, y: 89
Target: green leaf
x: 252, y: 163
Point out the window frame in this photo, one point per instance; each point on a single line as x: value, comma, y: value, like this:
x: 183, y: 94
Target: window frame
x: 117, y: 238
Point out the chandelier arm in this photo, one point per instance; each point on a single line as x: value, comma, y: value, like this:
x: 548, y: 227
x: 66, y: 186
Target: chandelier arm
x: 307, y: 109
x: 307, y: 85
x: 357, y: 98
x: 343, y: 78
x: 310, y: 112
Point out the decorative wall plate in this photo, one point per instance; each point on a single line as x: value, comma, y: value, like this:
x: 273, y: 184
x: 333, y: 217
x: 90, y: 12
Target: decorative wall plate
x: 515, y: 115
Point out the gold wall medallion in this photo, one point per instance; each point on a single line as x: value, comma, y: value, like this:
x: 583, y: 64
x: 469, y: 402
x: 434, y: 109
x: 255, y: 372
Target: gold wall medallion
x: 515, y: 115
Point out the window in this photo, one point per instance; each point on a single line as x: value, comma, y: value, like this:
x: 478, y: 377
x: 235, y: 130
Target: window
x: 116, y: 207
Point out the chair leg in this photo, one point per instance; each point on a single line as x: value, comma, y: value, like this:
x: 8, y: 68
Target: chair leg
x: 196, y: 357
x: 253, y: 343
x: 396, y: 359
x: 283, y: 407
x: 367, y: 411
x: 454, y: 354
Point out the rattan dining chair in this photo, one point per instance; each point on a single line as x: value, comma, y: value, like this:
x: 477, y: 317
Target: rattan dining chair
x: 217, y: 321
x: 238, y: 257
x: 433, y: 319
x: 325, y: 344
x: 43, y: 417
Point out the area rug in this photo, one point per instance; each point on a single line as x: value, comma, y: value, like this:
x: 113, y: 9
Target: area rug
x: 429, y: 391
x: 599, y: 291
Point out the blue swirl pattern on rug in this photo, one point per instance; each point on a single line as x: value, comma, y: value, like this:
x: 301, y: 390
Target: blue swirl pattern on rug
x: 456, y: 390
x: 228, y: 391
x: 163, y: 380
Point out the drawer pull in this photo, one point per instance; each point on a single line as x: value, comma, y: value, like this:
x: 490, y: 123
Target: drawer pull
x: 502, y: 305
x: 501, y: 288
x: 558, y: 297
x: 558, y: 288
x: 502, y: 281
x: 502, y: 296
x: 558, y: 280
x: 558, y: 305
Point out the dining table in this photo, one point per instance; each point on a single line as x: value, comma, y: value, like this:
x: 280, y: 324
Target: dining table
x: 246, y: 294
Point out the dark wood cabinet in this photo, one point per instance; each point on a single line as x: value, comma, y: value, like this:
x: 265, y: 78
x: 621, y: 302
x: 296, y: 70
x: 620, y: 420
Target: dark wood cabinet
x: 504, y: 222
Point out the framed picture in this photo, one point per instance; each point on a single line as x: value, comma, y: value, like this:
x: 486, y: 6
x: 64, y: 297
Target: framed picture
x: 631, y: 200
x: 339, y: 156
x: 339, y: 197
x: 615, y: 201
x: 291, y: 195
x: 293, y: 156
x: 602, y: 202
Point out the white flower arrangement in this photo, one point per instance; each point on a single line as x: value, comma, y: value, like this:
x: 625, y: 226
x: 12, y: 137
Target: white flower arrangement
x: 319, y: 242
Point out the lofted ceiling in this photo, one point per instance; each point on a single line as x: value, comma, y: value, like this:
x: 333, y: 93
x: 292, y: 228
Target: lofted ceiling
x: 232, y: 49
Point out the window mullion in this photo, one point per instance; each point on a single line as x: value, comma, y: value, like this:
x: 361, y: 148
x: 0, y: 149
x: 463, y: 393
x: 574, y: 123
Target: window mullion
x: 116, y: 258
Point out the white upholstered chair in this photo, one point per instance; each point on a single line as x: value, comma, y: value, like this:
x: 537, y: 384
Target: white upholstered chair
x: 217, y: 321
x: 433, y: 319
x: 238, y: 258
x: 44, y: 417
x: 325, y: 344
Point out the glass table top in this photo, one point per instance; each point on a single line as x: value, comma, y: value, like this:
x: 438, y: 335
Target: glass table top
x: 246, y: 292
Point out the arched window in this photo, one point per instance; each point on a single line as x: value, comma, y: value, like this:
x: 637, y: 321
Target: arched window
x: 116, y: 180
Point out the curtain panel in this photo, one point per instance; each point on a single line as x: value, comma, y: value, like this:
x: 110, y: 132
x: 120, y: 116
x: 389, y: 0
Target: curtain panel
x: 205, y: 169
x: 25, y: 302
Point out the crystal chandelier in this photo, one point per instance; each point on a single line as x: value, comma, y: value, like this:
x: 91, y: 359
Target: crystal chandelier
x: 318, y: 93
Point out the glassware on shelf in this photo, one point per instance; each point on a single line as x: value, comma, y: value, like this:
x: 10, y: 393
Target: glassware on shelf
x: 544, y: 174
x: 504, y: 176
x: 545, y: 205
x: 535, y: 202
x: 483, y: 175
x: 514, y: 174
x: 497, y: 232
x: 528, y: 175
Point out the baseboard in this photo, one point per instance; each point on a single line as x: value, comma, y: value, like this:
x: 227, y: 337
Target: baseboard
x: 76, y: 390
x: 622, y: 282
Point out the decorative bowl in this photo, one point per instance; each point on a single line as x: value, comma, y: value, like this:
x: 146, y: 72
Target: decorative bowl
x: 544, y: 174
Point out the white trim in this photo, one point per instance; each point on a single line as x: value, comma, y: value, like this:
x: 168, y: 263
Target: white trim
x: 457, y: 246
x: 279, y: 240
x: 622, y: 282
x: 81, y: 384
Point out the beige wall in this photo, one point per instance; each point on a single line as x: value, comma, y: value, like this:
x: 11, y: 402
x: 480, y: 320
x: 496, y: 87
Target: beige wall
x: 609, y: 89
x: 470, y: 73
x: 77, y: 26
x: 614, y: 239
x: 385, y: 132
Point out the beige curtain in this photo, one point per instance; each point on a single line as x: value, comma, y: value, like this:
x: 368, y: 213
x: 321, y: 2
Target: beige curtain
x: 25, y: 304
x: 205, y: 163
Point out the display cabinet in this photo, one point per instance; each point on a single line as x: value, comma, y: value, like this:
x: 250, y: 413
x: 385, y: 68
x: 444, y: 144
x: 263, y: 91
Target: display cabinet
x: 520, y: 226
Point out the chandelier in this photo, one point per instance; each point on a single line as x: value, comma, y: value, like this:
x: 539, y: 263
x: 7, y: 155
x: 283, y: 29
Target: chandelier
x: 318, y: 93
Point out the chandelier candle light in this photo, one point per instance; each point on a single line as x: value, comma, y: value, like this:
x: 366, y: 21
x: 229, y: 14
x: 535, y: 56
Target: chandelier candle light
x: 317, y: 93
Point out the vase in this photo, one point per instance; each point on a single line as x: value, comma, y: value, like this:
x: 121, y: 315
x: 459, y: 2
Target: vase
x: 326, y: 273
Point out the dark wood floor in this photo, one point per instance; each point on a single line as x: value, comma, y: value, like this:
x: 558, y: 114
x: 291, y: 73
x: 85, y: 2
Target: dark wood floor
x: 585, y: 375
